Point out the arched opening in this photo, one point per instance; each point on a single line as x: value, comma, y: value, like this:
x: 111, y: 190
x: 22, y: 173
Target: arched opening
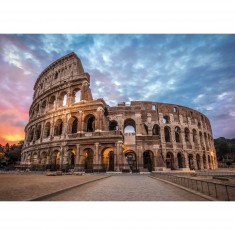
x: 204, y: 162
x: 31, y: 134
x: 64, y: 103
x: 90, y: 123
x: 194, y: 136
x: 38, y: 132
x: 88, y: 157
x: 191, y: 162
x: 52, y: 102
x: 73, y: 125
x: 186, y: 133
x: 166, y: 119
x: 129, y: 126
x: 170, y: 160
x: 148, y: 160
x: 62, y: 100
x: 77, y: 96
x: 58, y: 127
x: 113, y: 125
x: 201, y: 140
x: 156, y: 129
x: 43, y: 158
x: 34, y: 159
x: 199, y: 125
x: 181, y: 160
x: 47, y: 130
x: 209, y: 162
x: 131, y: 160
x: 198, y: 159
x: 108, y: 159
x: 71, y: 159
x: 167, y: 134
x: 55, y: 161
x: 177, y: 134
x: 43, y: 106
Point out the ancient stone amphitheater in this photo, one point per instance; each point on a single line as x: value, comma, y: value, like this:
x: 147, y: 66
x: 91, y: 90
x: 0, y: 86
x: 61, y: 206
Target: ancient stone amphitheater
x: 67, y: 129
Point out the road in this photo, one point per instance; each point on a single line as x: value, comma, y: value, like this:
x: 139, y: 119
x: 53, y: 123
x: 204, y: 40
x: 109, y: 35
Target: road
x: 127, y: 188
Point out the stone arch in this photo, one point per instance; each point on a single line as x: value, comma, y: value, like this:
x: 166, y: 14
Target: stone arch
x: 167, y: 132
x: 166, y: 119
x: 88, y: 156
x: 71, y: 154
x: 47, y: 130
x: 55, y: 160
x: 107, y: 159
x: 90, y: 123
x: 129, y: 126
x: 186, y: 135
x: 58, y: 128
x: 191, y: 162
x: 156, y: 129
x: 170, y: 160
x: 38, y: 131
x: 177, y: 134
x: 113, y: 125
x: 51, y: 102
x: 131, y: 158
x: 181, y: 160
x: 209, y: 162
x: 31, y: 134
x: 43, y: 106
x: 43, y: 158
x: 73, y: 125
x: 204, y: 161
x: 76, y: 95
x: 194, y: 136
x: 63, y: 99
x: 148, y: 160
x: 198, y: 161
x: 34, y: 158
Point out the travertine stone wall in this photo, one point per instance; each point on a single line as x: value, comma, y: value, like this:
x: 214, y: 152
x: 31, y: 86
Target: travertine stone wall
x: 68, y: 128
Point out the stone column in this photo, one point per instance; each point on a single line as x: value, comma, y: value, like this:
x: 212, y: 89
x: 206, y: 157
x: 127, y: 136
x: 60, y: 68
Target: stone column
x: 137, y: 124
x: 140, y: 158
x: 77, y: 158
x: 117, y: 157
x: 96, y: 157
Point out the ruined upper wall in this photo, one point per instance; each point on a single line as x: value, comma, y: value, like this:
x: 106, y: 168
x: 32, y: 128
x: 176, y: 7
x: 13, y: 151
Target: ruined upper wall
x: 66, y: 68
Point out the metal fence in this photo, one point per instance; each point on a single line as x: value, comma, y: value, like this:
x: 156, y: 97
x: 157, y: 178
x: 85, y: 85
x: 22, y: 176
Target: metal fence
x: 220, y: 191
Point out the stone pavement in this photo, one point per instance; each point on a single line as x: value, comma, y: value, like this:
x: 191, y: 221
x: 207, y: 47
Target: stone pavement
x: 127, y: 188
x: 17, y: 187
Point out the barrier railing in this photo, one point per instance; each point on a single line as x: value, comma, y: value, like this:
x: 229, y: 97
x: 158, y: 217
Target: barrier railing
x: 220, y: 191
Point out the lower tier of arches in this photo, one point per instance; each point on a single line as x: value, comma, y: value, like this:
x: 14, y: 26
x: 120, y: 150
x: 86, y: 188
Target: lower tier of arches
x: 116, y: 157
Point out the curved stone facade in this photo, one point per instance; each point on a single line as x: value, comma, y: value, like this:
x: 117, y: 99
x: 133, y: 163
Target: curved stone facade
x: 67, y: 129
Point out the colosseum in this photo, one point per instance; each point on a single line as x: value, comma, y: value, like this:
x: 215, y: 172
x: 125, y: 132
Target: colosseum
x: 69, y: 130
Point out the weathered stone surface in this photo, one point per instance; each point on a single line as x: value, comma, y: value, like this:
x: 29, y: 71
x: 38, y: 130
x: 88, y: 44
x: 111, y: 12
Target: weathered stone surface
x: 68, y: 129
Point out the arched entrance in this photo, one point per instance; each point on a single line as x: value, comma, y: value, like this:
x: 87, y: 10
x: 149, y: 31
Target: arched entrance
x: 204, y: 162
x: 181, y: 160
x: 190, y: 162
x: 55, y: 161
x: 198, y: 162
x: 108, y: 159
x: 88, y: 163
x: 131, y: 159
x: 170, y: 160
x: 148, y: 160
x: 71, y: 159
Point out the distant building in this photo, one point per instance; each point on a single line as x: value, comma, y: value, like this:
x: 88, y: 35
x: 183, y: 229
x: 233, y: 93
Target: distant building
x: 69, y: 129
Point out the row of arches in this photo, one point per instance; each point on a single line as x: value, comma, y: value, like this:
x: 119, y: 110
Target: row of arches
x: 35, y: 133
x: 64, y: 98
x: 108, y: 159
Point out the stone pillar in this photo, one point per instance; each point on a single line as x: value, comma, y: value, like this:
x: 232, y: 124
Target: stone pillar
x: 100, y: 112
x: 96, y: 165
x: 77, y: 158
x: 117, y: 156
x: 140, y: 158
x: 137, y: 124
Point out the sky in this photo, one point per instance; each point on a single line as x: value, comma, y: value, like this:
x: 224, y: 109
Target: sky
x: 197, y: 71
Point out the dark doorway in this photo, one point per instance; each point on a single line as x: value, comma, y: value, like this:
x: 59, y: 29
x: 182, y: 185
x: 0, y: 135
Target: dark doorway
x: 91, y: 124
x: 131, y: 159
x: 148, y: 160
